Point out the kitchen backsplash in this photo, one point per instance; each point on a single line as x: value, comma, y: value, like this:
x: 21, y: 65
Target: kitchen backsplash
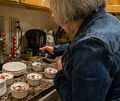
x: 29, y: 19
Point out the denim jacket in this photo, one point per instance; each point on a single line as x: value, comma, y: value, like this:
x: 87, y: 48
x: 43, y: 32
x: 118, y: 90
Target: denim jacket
x: 59, y: 49
x: 91, y: 63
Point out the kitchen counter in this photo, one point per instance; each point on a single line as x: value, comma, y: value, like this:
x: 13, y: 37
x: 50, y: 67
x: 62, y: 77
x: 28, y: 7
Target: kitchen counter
x: 36, y: 92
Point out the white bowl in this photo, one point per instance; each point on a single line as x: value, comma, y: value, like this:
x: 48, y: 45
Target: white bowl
x: 50, y: 72
x: 37, y: 66
x: 3, y: 88
x: 9, y: 77
x: 34, y: 79
x: 19, y: 90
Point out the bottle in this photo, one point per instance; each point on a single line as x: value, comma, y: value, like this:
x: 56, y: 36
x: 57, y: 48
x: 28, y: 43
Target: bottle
x: 29, y: 54
x: 50, y: 38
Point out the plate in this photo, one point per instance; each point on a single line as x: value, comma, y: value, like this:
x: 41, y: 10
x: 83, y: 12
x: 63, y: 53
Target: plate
x: 17, y: 68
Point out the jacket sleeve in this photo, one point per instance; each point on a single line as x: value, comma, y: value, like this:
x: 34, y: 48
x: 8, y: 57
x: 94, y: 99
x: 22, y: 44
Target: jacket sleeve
x: 90, y: 79
x: 59, y: 49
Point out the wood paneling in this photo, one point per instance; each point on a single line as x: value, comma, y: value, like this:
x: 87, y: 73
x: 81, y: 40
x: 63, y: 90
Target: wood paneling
x: 113, y: 2
x: 113, y: 6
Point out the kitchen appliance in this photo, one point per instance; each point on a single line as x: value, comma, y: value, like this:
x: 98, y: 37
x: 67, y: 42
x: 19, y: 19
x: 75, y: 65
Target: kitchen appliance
x: 36, y: 39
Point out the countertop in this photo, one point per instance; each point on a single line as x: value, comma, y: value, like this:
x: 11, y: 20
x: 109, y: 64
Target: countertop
x: 36, y: 92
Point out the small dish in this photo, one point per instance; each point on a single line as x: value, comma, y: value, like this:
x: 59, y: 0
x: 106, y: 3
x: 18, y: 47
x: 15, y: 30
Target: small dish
x: 9, y: 77
x: 19, y: 90
x: 3, y: 88
x: 37, y: 66
x: 34, y: 79
x: 50, y: 72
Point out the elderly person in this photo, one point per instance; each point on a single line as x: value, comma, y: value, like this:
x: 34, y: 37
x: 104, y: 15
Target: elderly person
x: 91, y: 63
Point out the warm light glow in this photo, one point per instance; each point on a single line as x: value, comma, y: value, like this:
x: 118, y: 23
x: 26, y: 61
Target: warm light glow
x: 44, y: 1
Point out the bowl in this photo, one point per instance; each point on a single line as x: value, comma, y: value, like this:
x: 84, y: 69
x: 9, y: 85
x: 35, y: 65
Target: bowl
x: 37, y: 66
x: 50, y: 72
x: 9, y: 77
x: 3, y: 88
x: 34, y: 79
x: 19, y: 90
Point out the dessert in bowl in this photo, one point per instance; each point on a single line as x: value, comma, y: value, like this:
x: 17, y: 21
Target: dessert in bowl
x: 19, y: 90
x: 34, y: 79
x: 50, y: 72
x: 3, y: 87
x: 9, y: 77
x: 37, y: 66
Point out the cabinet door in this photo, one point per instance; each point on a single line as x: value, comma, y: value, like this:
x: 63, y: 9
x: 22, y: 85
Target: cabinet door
x: 36, y: 3
x: 12, y: 0
x: 32, y: 2
x: 113, y: 2
x: 113, y: 6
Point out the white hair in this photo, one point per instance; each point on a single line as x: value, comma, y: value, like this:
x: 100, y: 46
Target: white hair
x: 69, y: 10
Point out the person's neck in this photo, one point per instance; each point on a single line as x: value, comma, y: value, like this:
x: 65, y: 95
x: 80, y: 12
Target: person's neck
x: 74, y: 27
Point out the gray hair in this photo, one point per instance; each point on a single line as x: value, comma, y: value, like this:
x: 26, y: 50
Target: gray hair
x: 70, y: 10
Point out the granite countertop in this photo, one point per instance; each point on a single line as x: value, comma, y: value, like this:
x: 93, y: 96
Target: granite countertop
x: 45, y: 86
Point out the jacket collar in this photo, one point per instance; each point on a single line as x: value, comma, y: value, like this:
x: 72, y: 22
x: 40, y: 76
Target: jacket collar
x: 89, y: 19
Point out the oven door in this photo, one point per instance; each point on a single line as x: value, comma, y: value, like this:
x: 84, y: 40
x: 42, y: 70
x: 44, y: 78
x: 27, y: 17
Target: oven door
x: 52, y: 96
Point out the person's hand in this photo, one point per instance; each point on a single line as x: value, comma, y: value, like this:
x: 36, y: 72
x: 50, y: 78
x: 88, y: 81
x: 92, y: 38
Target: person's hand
x: 58, y: 64
x: 47, y: 49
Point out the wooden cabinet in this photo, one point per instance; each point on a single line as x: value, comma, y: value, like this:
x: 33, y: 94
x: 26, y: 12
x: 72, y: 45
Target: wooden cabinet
x: 31, y: 2
x: 113, y: 6
x: 35, y: 3
x: 45, y: 4
x: 113, y: 2
x: 14, y: 0
x: 9, y: 1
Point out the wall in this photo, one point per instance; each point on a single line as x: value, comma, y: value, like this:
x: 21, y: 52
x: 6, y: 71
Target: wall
x: 28, y: 18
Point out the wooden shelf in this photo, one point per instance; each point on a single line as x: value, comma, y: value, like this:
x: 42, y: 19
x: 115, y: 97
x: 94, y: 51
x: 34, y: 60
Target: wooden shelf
x: 13, y: 3
x: 113, y: 8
